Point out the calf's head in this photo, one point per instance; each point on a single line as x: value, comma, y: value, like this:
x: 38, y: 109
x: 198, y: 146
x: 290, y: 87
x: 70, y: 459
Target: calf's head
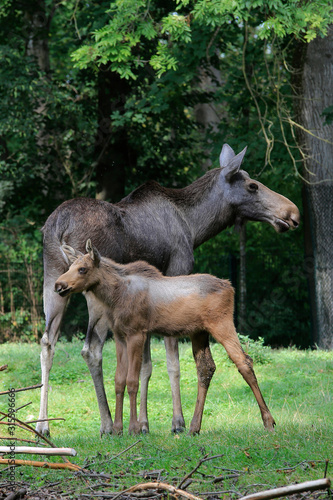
x: 81, y: 275
x: 250, y: 199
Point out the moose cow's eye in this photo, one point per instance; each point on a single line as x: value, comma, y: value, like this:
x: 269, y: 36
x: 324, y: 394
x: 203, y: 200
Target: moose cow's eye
x: 253, y: 186
x: 82, y: 270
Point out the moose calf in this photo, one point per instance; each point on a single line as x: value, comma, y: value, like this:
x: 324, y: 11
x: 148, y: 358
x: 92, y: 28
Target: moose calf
x: 138, y: 300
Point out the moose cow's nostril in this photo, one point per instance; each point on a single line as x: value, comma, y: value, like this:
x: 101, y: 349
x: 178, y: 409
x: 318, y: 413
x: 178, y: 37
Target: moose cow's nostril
x: 295, y: 222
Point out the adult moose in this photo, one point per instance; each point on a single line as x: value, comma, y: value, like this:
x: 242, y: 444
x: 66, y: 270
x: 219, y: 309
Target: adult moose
x: 138, y: 300
x: 161, y: 226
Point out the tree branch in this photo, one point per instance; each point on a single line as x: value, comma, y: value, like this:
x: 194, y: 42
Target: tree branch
x: 319, y: 484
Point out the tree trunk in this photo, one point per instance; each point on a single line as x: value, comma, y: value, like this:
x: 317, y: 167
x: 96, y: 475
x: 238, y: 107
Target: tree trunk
x: 112, y: 151
x: 38, y: 27
x: 208, y: 114
x: 315, y: 94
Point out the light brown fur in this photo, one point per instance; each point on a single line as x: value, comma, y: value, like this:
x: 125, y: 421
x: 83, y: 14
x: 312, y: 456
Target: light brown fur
x: 138, y: 300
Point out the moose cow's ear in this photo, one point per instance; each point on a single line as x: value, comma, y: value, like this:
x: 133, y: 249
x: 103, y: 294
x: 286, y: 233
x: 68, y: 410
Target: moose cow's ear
x: 93, y: 253
x: 69, y: 253
x: 234, y: 165
x: 227, y: 154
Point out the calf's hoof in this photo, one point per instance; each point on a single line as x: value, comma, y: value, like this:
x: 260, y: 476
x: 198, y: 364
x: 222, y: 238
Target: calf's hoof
x: 134, y: 428
x: 117, y: 432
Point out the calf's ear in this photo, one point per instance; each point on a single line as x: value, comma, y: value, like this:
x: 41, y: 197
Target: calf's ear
x: 93, y: 253
x: 69, y: 253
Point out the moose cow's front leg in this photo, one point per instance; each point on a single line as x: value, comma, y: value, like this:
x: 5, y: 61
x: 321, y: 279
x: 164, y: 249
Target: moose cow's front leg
x: 181, y: 263
x: 92, y: 354
x: 54, y: 307
x: 172, y: 356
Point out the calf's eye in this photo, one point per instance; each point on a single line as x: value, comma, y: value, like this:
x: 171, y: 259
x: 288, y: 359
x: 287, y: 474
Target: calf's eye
x: 82, y: 270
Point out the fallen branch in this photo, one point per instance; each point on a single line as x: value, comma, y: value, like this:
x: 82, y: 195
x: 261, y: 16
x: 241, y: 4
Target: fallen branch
x: 17, y: 439
x: 158, y: 486
x: 19, y: 408
x: 44, y: 420
x: 46, y: 465
x: 22, y: 389
x: 201, y: 461
x: 17, y: 494
x: 38, y: 450
x: 9, y: 424
x: 319, y: 484
x: 26, y: 426
x: 31, y: 429
x: 115, y: 456
x: 126, y: 449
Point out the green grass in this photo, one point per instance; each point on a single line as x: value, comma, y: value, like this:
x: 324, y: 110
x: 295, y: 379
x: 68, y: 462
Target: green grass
x: 297, y: 386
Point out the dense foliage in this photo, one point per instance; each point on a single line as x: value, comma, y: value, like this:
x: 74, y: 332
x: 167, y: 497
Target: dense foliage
x: 99, y: 93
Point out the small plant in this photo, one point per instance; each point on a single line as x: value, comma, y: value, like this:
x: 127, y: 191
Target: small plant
x: 260, y: 353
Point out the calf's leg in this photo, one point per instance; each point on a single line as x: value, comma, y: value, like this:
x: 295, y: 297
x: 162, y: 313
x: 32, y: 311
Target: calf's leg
x: 120, y: 383
x: 205, y: 371
x: 135, y: 345
x: 226, y: 335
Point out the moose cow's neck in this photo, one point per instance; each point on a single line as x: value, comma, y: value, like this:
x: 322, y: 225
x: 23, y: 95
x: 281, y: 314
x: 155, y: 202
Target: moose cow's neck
x: 204, y: 207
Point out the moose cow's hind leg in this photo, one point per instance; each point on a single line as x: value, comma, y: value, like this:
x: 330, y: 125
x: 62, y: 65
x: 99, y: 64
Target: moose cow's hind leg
x: 145, y: 374
x: 205, y: 371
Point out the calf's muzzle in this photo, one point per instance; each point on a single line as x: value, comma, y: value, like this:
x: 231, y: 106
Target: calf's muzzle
x: 61, y: 287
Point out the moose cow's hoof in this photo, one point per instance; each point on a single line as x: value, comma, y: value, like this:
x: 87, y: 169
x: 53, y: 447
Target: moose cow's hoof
x: 269, y: 423
x: 106, y: 429
x: 44, y: 430
x: 178, y: 430
x: 144, y: 428
x: 178, y: 425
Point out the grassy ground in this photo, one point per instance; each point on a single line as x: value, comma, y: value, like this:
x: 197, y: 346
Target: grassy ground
x: 297, y: 386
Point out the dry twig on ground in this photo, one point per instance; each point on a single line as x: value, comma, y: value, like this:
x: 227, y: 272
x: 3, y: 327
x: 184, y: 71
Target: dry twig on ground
x: 319, y: 484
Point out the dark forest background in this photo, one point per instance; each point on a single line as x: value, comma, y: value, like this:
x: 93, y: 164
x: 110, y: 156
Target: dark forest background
x: 97, y: 98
